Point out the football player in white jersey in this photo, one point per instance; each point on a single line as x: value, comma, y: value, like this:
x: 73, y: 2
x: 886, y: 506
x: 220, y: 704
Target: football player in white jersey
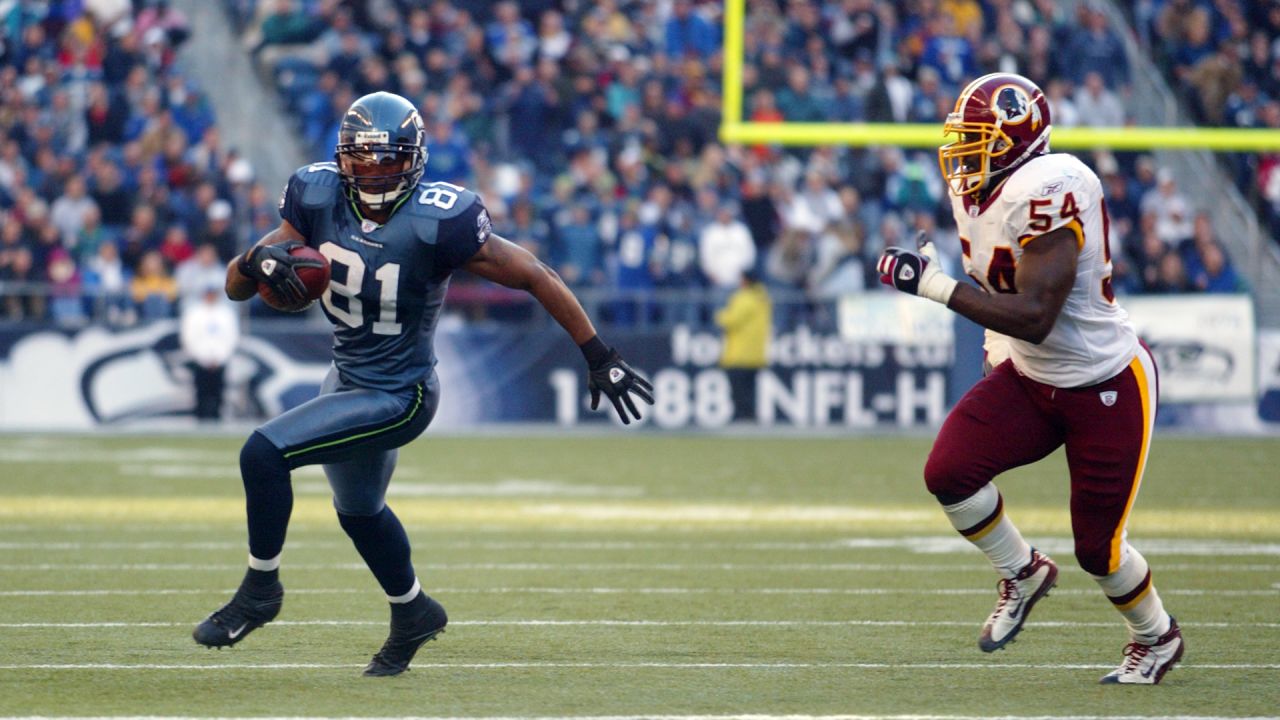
x: 1066, y: 365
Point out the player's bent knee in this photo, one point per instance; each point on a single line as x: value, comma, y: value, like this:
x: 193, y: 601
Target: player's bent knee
x: 356, y: 505
x: 949, y: 476
x: 358, y: 524
x: 261, y: 460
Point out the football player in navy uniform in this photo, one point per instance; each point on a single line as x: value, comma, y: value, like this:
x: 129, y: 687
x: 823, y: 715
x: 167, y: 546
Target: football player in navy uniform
x: 392, y: 241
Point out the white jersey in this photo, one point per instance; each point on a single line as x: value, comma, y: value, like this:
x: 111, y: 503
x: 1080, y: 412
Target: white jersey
x: 1092, y: 339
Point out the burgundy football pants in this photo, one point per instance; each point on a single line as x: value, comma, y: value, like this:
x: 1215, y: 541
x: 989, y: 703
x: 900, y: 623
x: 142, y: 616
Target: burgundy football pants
x: 1007, y: 420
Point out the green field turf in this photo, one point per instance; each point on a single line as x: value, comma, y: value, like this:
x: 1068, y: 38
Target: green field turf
x: 620, y: 575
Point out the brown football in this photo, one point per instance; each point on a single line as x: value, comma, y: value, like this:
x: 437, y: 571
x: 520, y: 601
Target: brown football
x: 315, y: 279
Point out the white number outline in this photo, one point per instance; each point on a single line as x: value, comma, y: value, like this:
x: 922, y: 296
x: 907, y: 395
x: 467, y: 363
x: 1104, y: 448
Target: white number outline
x: 435, y: 194
x: 388, y: 275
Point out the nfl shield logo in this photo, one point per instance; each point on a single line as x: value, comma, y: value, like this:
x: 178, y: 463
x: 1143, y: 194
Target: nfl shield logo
x: 368, y: 226
x: 1108, y: 397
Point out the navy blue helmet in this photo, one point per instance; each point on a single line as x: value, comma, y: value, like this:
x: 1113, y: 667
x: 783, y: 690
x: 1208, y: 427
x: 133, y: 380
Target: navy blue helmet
x: 381, y: 151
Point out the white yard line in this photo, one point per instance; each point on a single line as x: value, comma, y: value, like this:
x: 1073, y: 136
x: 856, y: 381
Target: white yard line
x: 647, y: 591
x: 753, y: 716
x: 930, y: 545
x: 629, y: 567
x: 637, y: 623
x: 620, y: 666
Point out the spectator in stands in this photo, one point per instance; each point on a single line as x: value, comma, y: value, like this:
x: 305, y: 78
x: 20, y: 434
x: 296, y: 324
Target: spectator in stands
x: 66, y: 306
x: 91, y: 234
x: 69, y: 211
x: 24, y: 301
x: 554, y: 39
x: 152, y: 289
x: 839, y: 268
x: 448, y: 155
x: 1171, y: 276
x: 527, y: 230
x: 1170, y: 208
x: 1095, y: 48
x: 747, y: 321
x: 142, y: 236
x: 948, y: 50
x: 510, y: 37
x: 105, y: 116
x: 688, y: 34
x: 576, y: 249
x: 217, y: 230
x: 204, y: 269
x: 175, y: 246
x: 725, y: 249
x: 107, y: 280
x: 111, y: 196
x: 634, y: 265
x: 160, y: 14
x: 284, y: 33
x: 1212, y: 80
x: 209, y: 333
x: 797, y: 101
x: 815, y: 207
x: 533, y: 105
x: 1096, y: 105
x: 1207, y: 266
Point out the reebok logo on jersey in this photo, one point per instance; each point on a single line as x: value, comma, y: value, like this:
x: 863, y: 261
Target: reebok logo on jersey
x: 1051, y: 188
x: 1108, y: 397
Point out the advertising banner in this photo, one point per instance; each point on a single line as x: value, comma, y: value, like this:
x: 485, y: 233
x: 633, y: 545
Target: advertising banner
x: 1204, y: 345
x: 97, y: 376
x: 891, y: 365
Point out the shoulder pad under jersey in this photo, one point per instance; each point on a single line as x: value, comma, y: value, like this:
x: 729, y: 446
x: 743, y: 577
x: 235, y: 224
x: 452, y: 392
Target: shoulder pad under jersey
x: 439, y: 200
x: 318, y: 184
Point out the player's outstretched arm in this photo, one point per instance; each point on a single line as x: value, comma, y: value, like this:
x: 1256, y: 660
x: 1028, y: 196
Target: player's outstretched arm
x: 265, y: 262
x: 509, y: 264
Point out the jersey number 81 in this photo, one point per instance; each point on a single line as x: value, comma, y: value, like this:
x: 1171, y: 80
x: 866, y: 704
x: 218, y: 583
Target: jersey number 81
x: 388, y: 277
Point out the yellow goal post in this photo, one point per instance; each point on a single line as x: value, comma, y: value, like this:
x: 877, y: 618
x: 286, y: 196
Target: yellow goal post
x: 734, y: 130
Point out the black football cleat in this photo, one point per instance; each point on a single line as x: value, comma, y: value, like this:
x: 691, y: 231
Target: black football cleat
x: 407, y: 635
x: 250, y: 608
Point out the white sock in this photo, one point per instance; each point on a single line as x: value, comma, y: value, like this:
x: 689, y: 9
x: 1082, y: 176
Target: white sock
x: 981, y: 520
x: 264, y: 565
x: 413, y: 593
x: 1133, y: 593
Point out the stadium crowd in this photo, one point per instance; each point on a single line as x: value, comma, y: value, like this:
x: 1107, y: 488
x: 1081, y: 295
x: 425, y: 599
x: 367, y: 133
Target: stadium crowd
x: 590, y: 128
x: 117, y: 196
x: 1223, y: 59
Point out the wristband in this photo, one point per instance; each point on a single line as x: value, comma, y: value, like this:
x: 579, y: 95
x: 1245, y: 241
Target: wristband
x: 595, y: 351
x: 938, y: 286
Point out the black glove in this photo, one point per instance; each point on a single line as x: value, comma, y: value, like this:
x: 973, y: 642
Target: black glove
x: 273, y: 266
x: 608, y: 373
x: 916, y: 272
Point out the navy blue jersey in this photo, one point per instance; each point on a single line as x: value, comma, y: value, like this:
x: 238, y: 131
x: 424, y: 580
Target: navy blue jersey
x: 388, y: 281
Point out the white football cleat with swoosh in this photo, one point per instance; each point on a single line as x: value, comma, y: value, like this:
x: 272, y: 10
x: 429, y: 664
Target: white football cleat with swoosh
x: 1146, y: 663
x: 1017, y: 597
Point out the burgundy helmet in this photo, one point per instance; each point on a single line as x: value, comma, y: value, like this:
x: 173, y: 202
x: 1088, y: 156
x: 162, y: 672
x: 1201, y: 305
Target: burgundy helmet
x: 1000, y: 121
